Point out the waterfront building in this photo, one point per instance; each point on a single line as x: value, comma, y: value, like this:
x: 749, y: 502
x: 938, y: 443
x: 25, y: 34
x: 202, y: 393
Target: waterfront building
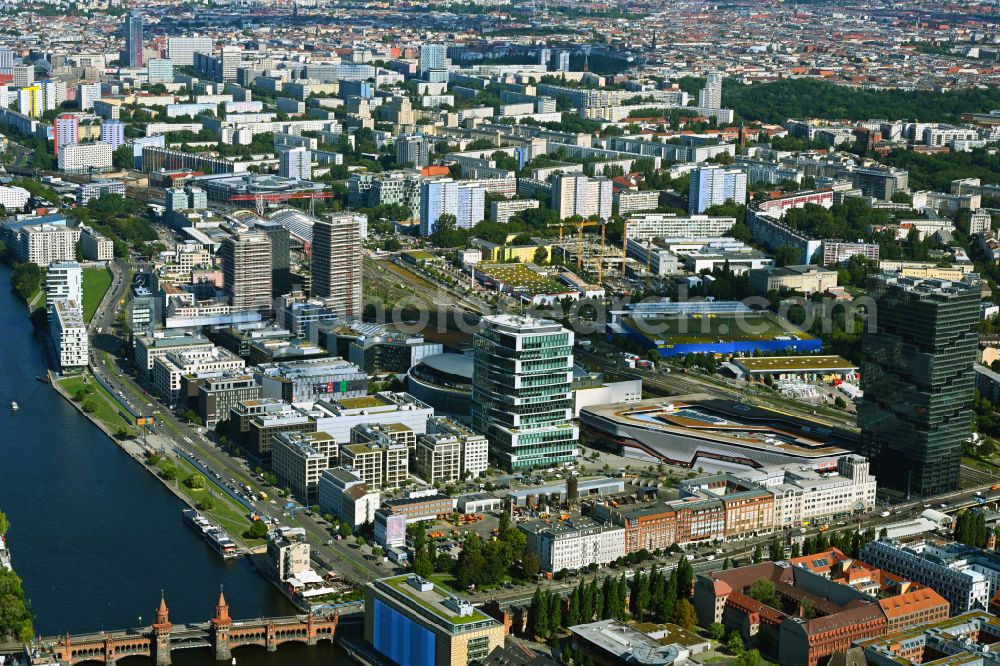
x: 918, y: 380
x: 411, y: 621
x: 522, y: 392
x: 64, y: 282
x: 69, y: 334
x: 288, y: 552
x: 43, y: 243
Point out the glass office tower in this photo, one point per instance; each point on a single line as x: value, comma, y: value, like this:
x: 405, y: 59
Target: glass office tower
x: 918, y: 380
x: 521, y: 394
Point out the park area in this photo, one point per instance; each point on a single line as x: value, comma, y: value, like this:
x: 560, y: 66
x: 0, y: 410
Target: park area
x: 96, y: 282
x: 96, y: 401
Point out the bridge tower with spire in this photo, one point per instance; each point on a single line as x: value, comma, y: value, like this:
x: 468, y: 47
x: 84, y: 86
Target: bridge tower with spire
x: 221, y: 624
x: 161, y: 634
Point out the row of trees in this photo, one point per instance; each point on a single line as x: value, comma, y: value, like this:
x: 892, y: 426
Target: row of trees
x: 970, y: 528
x: 652, y: 595
x: 15, y: 617
x: 549, y: 612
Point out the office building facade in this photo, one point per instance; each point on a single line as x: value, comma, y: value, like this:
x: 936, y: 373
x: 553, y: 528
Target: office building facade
x: 522, y: 391
x: 131, y: 56
x: 918, y: 382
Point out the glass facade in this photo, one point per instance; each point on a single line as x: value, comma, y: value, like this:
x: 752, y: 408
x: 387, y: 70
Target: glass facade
x: 918, y: 380
x: 521, y: 395
x: 402, y: 640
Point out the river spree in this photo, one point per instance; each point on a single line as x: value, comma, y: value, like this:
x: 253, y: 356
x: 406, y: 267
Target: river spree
x: 93, y: 536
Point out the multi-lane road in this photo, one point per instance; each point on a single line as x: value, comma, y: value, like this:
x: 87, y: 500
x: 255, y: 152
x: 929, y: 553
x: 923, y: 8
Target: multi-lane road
x: 106, y: 359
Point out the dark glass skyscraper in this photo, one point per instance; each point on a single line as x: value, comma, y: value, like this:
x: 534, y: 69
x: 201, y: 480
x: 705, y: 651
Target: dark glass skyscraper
x: 132, y: 55
x: 918, y: 382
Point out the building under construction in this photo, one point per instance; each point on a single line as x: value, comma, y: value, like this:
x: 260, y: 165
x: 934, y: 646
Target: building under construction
x: 246, y: 270
x: 608, y: 258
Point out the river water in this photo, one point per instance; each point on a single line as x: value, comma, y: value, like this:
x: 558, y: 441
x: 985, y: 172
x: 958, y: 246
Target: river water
x: 93, y: 536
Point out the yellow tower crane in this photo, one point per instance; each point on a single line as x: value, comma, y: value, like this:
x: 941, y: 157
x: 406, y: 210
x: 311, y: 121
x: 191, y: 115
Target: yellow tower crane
x: 579, y: 239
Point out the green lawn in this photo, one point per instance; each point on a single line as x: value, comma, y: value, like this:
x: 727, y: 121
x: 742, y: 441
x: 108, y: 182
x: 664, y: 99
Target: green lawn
x: 747, y: 326
x: 105, y: 407
x: 96, y: 282
x: 227, y: 512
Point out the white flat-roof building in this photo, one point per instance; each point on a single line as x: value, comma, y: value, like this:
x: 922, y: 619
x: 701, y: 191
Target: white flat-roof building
x: 64, y: 282
x: 168, y: 369
x: 574, y: 544
x: 339, y: 417
x: 801, y: 494
x: 95, y: 245
x: 13, y: 198
x: 69, y: 334
x: 84, y: 157
x: 343, y: 492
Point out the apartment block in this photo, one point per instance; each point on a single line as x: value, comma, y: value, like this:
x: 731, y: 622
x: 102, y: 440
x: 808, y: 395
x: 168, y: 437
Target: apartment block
x: 583, y: 196
x: 69, y: 334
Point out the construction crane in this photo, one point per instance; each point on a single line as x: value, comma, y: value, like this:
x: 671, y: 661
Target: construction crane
x: 579, y: 240
x: 259, y: 198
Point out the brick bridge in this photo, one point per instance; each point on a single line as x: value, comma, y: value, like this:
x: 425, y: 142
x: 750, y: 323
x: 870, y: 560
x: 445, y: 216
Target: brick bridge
x: 221, y: 634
